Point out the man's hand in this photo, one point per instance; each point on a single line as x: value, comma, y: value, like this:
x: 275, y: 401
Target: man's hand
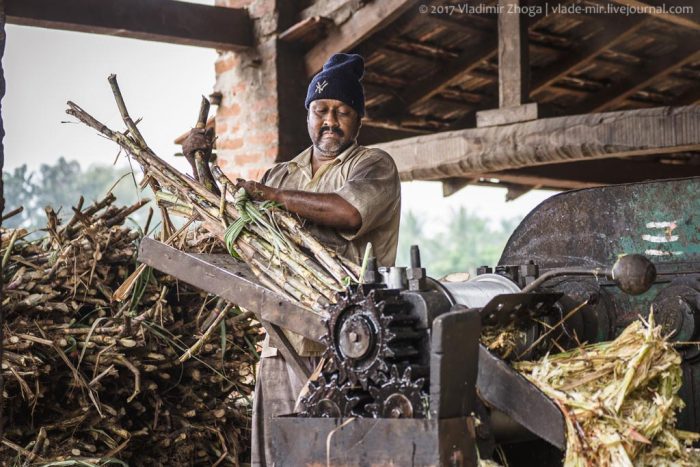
x: 197, y: 149
x: 258, y: 191
x: 199, y: 139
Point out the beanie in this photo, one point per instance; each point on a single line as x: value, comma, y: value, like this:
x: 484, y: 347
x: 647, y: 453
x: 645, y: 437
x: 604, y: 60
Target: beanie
x: 340, y: 80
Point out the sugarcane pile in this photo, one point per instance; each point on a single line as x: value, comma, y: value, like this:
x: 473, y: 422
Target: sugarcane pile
x: 619, y: 400
x: 273, y: 243
x: 162, y: 377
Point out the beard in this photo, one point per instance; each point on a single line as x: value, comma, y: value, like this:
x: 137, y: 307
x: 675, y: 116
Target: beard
x: 333, y: 145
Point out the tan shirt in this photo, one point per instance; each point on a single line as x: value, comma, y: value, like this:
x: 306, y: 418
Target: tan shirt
x: 366, y: 178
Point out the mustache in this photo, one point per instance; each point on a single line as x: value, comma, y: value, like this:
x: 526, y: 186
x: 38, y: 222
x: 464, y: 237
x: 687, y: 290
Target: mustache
x: 333, y: 129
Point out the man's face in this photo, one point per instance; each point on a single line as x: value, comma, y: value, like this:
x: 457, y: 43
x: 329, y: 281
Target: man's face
x: 333, y: 126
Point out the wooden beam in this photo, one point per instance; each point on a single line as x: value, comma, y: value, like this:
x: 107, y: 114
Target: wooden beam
x: 690, y: 18
x: 475, y: 151
x: 154, y: 20
x: 655, y: 70
x: 374, y: 134
x: 450, y: 186
x: 513, y: 56
x: 364, y: 22
x: 305, y: 29
x: 615, y: 31
x: 585, y: 174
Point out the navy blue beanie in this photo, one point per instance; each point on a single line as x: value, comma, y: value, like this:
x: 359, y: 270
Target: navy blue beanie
x: 340, y: 80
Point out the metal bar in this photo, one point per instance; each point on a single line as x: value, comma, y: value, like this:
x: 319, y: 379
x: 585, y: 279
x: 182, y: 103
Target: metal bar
x: 501, y: 387
x: 223, y: 276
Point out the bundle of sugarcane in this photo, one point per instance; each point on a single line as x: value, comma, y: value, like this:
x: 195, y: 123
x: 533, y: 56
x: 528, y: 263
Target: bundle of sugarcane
x: 163, y: 377
x: 619, y: 400
x: 271, y: 241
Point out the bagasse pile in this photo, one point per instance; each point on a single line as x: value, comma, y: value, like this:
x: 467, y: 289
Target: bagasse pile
x: 90, y: 378
x: 619, y: 400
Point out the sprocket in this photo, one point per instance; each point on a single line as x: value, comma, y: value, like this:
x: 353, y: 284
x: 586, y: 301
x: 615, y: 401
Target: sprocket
x: 359, y: 336
x: 398, y: 397
x: 328, y: 399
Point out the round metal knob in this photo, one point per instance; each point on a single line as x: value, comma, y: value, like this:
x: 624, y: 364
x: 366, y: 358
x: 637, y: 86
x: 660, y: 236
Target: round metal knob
x: 634, y: 274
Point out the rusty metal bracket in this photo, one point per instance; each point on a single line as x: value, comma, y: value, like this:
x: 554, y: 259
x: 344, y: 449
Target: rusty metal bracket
x: 501, y: 387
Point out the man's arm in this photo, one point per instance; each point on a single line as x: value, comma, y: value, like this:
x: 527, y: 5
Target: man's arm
x: 327, y: 209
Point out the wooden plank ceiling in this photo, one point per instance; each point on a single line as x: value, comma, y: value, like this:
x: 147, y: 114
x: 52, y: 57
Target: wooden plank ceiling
x: 430, y: 73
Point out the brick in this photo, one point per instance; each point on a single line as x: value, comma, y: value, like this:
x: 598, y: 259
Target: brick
x: 248, y: 159
x: 230, y: 143
x: 271, y: 152
x: 266, y: 139
x: 226, y: 62
x: 228, y: 110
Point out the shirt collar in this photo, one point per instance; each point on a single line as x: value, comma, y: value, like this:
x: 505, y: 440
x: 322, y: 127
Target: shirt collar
x: 303, y: 160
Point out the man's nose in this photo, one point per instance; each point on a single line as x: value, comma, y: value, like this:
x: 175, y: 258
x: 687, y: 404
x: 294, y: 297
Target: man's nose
x: 330, y: 119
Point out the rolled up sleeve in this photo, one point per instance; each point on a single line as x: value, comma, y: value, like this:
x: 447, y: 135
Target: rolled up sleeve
x: 373, y: 188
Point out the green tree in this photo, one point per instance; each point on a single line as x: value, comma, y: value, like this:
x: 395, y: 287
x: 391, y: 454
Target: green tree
x: 60, y: 186
x: 466, y: 242
x: 19, y: 191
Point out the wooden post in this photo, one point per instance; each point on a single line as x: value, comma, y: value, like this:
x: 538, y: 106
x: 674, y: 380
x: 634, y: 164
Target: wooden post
x: 513, y: 69
x: 513, y: 57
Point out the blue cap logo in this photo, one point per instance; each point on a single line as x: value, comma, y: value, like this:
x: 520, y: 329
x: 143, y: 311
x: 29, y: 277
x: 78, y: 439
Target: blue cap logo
x: 321, y: 86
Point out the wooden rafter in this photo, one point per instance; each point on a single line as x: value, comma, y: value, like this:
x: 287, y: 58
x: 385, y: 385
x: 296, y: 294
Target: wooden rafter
x: 594, y: 173
x: 614, y: 32
x: 654, y: 71
x: 453, y: 71
x: 468, y: 153
x: 366, y: 21
x: 156, y: 20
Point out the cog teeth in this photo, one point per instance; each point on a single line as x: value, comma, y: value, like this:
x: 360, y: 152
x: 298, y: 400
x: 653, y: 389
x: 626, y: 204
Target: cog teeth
x: 394, y: 371
x: 406, y: 374
x: 364, y: 383
x: 419, y: 383
x: 372, y: 409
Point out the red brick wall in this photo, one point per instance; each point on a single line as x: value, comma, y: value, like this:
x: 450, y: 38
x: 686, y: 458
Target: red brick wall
x: 247, y: 118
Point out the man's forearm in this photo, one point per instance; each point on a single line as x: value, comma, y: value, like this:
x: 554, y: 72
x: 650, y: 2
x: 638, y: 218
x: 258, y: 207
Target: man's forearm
x: 327, y: 209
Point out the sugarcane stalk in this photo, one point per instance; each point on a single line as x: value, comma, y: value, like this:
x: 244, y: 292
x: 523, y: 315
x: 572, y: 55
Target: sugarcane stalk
x: 303, y: 238
x: 282, y: 258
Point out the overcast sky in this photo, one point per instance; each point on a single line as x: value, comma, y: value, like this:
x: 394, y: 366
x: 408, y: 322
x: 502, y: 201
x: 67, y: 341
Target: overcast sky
x: 161, y: 83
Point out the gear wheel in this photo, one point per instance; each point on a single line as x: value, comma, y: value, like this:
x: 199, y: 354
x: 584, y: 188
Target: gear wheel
x: 328, y: 399
x: 398, y: 397
x: 359, y: 335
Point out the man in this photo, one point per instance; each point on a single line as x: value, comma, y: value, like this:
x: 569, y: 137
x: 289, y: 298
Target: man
x: 347, y: 195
